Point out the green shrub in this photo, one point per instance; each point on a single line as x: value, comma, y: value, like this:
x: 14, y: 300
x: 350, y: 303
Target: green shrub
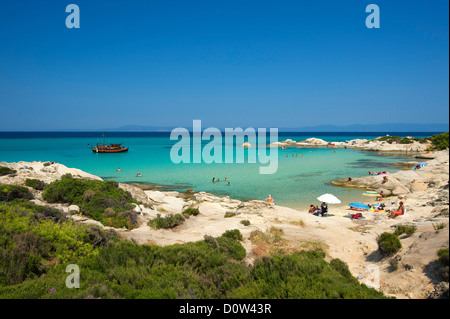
x: 445, y: 269
x: 405, y: 141
x: 341, y: 267
x: 233, y: 234
x: 245, y: 222
x: 191, y: 211
x: 443, y: 256
x: 11, y: 192
x: 409, y: 230
x: 35, y: 183
x: 24, y: 260
x: 43, y: 212
x: 440, y: 141
x: 388, y: 244
x: 230, y: 214
x: 33, y: 241
x: 94, y: 198
x: 169, y: 221
x: 394, y: 264
x: 6, y: 171
x: 439, y: 226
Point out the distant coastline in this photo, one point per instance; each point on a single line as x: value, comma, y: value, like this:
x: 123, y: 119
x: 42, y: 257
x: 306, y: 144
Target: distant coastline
x: 98, y: 133
x: 356, y: 128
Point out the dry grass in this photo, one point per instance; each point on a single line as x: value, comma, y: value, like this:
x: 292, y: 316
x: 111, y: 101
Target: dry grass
x: 272, y: 243
x: 299, y: 222
x: 275, y: 231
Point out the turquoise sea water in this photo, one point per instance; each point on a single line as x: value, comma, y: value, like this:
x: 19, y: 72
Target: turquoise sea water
x: 297, y: 183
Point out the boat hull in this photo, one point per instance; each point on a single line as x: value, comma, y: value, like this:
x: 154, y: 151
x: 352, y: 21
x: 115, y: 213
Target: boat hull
x: 96, y: 150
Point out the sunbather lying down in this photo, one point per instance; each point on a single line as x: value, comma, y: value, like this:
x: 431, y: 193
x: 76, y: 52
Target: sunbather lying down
x: 398, y: 212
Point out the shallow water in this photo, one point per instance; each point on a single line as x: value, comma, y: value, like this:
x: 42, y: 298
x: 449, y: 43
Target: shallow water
x: 297, y: 183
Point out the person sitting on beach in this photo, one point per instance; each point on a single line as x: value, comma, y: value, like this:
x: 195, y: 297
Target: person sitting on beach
x: 349, y: 179
x: 380, y: 196
x: 270, y: 200
x: 398, y: 212
x: 312, y: 209
x: 385, y: 180
x: 324, y: 208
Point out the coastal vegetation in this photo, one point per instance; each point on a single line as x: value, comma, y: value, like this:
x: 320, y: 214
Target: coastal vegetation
x: 12, y: 192
x: 35, y: 183
x: 233, y: 234
x: 444, y: 263
x: 389, y: 244
x: 118, y: 269
x: 166, y: 222
x: 6, y: 171
x: 439, y: 141
x: 245, y: 222
x: 396, y: 139
x: 439, y: 226
x: 37, y: 244
x: 409, y: 230
x: 191, y: 211
x: 99, y: 200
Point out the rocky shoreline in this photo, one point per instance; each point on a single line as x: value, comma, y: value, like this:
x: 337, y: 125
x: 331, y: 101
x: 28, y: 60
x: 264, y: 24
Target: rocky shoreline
x: 376, y: 145
x: 425, y: 193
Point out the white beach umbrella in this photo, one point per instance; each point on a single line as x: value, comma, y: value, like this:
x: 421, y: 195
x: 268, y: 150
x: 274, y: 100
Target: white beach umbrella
x: 329, y: 199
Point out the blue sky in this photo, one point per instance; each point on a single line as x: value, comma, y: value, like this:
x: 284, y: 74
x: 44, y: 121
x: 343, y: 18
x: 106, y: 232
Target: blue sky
x: 229, y: 63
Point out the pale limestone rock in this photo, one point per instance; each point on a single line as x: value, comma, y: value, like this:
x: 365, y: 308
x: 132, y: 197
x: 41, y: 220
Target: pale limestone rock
x: 74, y: 209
